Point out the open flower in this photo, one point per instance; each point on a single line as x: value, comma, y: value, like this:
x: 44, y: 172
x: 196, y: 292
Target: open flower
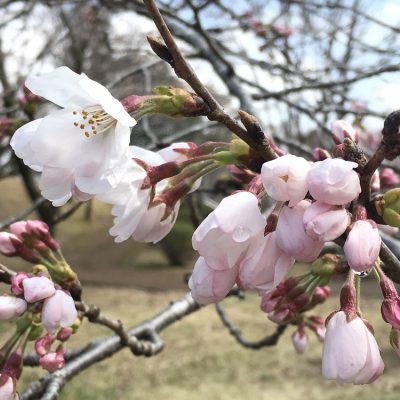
x: 350, y: 353
x: 131, y: 202
x: 80, y: 149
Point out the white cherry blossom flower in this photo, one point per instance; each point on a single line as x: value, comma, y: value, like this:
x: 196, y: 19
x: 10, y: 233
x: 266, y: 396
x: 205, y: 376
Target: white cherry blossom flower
x: 80, y: 149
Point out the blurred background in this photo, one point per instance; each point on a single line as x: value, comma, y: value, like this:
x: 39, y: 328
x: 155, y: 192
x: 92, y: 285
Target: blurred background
x: 297, y: 65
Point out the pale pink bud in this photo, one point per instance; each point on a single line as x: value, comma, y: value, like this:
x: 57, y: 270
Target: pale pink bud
x: 320, y: 294
x: 285, y: 178
x: 391, y: 312
x: 291, y: 236
x: 11, y: 307
x: 325, y: 222
x: 350, y: 352
x: 299, y: 340
x: 342, y: 129
x: 389, y: 179
x: 11, y: 246
x: 16, y: 283
x: 225, y: 235
x: 362, y: 246
x: 177, y: 151
x: 64, y: 334
x: 52, y: 361
x: 319, y: 154
x: 58, y: 310
x: 38, y: 288
x: 8, y: 388
x: 34, y: 229
x: 265, y: 266
x: 333, y: 181
x: 375, y: 182
x: 209, y: 285
x: 43, y: 345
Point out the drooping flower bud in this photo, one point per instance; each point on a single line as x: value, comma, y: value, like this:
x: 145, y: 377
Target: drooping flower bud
x: 325, y: 222
x: 391, y: 210
x: 291, y: 236
x: 362, y: 246
x: 8, y: 390
x: 12, y: 246
x: 333, y: 181
x: 342, y: 129
x: 285, y: 178
x: 390, y: 308
x: 265, y: 266
x: 209, y: 285
x: 225, y: 235
x: 11, y: 307
x: 350, y: 352
x: 300, y: 339
x: 58, y: 311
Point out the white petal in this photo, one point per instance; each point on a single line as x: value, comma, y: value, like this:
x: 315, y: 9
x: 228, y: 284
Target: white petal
x: 61, y: 87
x: 55, y: 184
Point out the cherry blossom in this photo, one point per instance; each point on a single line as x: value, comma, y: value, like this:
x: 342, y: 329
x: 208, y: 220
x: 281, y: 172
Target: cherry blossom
x: 81, y: 149
x: 350, y: 353
x: 285, y: 178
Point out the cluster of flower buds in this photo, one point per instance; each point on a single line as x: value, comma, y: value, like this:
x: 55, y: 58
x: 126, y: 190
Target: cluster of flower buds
x: 33, y: 242
x: 38, y: 301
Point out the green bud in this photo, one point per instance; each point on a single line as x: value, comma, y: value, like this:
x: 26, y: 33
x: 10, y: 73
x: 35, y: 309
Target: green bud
x: 239, y: 148
x: 325, y: 267
x: 391, y: 210
x: 225, y: 157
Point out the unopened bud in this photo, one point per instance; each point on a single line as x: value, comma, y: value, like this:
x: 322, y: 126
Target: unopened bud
x: 161, y: 50
x: 319, y: 154
x: 389, y: 179
x: 300, y: 340
x: 342, y: 129
x: 43, y: 345
x: 391, y: 211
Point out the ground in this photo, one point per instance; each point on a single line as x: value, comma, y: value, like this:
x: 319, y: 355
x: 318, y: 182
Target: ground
x: 201, y: 360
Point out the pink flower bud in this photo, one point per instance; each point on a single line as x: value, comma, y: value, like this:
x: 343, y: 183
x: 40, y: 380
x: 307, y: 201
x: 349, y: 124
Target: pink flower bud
x: 177, y: 151
x: 390, y: 310
x: 320, y: 294
x: 8, y: 388
x: 362, y: 246
x: 11, y: 307
x: 350, y: 352
x: 11, y: 246
x: 38, y: 288
x: 333, y: 181
x: 291, y: 236
x: 43, y: 345
x: 58, y: 310
x: 325, y: 222
x: 209, y: 285
x: 64, y: 334
x: 389, y: 179
x: 16, y: 283
x: 225, y: 235
x: 319, y: 154
x: 52, y: 361
x: 342, y: 129
x: 300, y: 340
x: 285, y: 178
x: 265, y: 266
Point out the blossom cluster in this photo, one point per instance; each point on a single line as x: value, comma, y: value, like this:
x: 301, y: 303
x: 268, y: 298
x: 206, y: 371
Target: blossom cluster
x: 83, y: 151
